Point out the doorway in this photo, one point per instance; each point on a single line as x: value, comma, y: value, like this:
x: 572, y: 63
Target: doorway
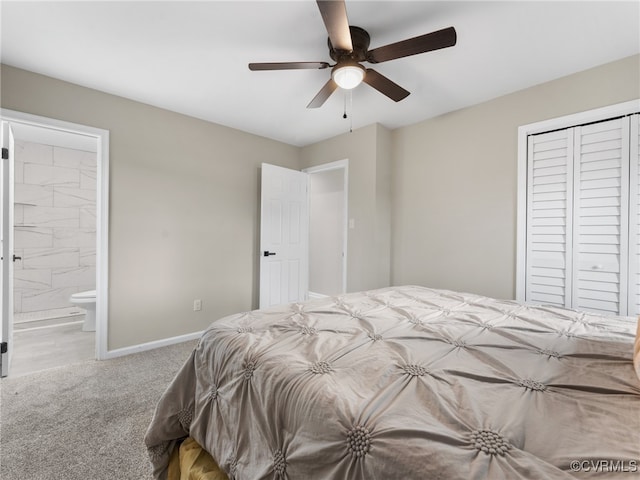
x: 59, y: 199
x: 328, y: 223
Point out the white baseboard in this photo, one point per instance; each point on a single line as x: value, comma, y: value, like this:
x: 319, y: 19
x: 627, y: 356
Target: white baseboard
x: 121, y: 352
x: 313, y: 295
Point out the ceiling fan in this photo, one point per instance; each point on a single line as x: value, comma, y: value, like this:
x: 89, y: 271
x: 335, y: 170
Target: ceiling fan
x: 349, y: 46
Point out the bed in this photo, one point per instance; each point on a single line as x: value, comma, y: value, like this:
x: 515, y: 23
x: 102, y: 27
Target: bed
x: 407, y: 383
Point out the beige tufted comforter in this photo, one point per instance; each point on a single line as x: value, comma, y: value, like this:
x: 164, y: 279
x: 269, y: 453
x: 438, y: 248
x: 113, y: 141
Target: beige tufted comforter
x: 408, y: 383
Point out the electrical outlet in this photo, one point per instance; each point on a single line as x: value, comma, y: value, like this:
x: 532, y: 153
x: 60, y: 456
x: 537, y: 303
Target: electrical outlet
x: 197, y: 305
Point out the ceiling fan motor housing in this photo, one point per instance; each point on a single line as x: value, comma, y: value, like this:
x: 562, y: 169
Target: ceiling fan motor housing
x: 360, y: 40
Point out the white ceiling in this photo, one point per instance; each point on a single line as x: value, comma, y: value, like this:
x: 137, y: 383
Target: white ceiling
x: 191, y: 57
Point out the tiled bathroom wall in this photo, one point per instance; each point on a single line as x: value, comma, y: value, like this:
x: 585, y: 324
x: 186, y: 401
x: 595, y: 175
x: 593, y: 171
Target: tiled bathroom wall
x: 55, y: 228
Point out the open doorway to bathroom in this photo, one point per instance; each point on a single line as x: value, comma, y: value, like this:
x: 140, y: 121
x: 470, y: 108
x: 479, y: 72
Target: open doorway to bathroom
x: 59, y: 243
x: 55, y: 247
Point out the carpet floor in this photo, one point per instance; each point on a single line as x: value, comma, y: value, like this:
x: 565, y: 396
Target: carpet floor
x: 84, y: 421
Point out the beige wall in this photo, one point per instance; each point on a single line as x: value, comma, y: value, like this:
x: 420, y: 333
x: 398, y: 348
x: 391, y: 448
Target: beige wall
x: 454, y: 181
x: 384, y: 202
x: 432, y: 204
x: 184, y: 207
x: 368, y: 151
x: 326, y: 231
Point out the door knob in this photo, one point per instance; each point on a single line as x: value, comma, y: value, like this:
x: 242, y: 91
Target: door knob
x: 16, y: 258
x: 267, y: 253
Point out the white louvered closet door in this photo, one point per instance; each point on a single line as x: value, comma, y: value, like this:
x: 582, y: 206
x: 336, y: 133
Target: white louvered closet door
x: 600, y: 217
x: 549, y: 226
x: 634, y: 216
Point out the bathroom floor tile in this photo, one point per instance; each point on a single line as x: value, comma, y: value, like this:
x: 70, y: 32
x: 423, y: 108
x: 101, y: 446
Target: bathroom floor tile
x: 46, y: 346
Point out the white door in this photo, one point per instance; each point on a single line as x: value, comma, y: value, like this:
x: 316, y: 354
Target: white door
x: 6, y: 238
x: 284, y: 226
x: 583, y: 225
x: 549, y: 226
x: 600, y: 217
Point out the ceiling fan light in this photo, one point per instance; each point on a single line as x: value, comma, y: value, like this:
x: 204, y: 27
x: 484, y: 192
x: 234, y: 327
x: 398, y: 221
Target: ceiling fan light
x: 348, y: 76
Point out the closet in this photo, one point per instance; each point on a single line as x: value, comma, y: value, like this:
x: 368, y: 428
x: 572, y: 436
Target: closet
x: 582, y: 223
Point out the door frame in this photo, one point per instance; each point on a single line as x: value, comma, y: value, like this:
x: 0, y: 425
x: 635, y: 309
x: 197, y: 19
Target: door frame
x: 337, y: 165
x: 6, y: 223
x: 101, y: 137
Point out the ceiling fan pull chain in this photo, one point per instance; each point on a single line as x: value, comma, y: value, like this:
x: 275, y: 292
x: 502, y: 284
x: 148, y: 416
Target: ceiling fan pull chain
x: 344, y: 115
x: 350, y: 111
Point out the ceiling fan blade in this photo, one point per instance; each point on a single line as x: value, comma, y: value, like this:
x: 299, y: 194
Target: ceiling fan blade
x: 288, y: 65
x: 385, y: 86
x: 324, y: 93
x: 334, y: 16
x: 424, y: 43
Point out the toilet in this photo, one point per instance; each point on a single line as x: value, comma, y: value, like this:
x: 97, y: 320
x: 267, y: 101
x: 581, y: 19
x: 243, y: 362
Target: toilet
x: 86, y: 300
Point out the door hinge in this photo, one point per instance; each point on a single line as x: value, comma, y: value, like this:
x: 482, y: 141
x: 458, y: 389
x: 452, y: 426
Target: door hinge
x: 5, y: 153
x: 3, y: 347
